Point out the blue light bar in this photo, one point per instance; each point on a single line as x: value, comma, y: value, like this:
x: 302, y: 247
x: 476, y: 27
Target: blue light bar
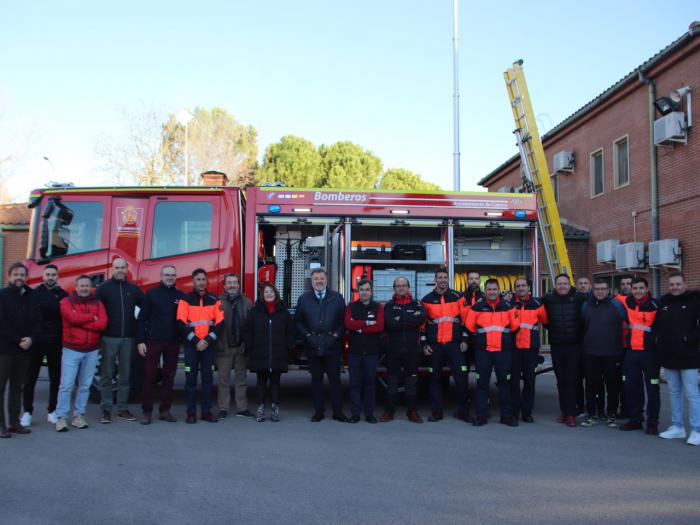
x: 520, y: 214
x: 274, y: 208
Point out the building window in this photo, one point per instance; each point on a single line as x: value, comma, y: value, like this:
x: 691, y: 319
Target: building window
x: 597, y: 175
x: 181, y: 227
x: 621, y: 162
x: 71, y: 227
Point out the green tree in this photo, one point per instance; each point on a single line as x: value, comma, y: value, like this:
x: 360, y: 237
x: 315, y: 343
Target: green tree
x: 294, y: 161
x: 347, y: 165
x: 401, y: 179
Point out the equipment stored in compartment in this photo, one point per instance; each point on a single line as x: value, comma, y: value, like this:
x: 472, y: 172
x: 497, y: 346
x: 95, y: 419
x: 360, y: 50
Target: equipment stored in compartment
x: 371, y: 249
x: 359, y: 272
x: 408, y: 252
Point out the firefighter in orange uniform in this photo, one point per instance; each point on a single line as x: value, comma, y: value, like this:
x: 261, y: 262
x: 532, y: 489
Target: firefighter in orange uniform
x: 493, y: 320
x: 445, y: 340
x: 527, y: 348
x: 641, y: 359
x: 200, y: 320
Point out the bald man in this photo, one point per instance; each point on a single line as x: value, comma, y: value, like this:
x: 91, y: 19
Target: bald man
x: 120, y: 298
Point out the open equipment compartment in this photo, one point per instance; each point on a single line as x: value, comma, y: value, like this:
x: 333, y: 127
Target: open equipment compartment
x: 295, y: 246
x: 384, y: 249
x: 500, y: 250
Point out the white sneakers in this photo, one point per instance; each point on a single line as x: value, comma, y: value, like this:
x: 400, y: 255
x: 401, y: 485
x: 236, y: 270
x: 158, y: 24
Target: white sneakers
x: 51, y: 418
x: 673, y: 432
x: 26, y: 420
x: 694, y: 438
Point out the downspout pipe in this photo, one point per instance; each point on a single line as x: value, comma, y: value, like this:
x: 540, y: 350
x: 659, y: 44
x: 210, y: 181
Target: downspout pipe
x: 2, y: 255
x: 654, y: 175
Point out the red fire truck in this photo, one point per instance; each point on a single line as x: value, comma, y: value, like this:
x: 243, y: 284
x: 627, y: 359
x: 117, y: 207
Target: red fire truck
x: 280, y: 234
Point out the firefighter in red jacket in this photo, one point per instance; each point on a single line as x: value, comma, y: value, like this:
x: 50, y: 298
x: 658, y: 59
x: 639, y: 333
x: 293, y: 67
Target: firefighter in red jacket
x: 494, y: 321
x: 200, y: 320
x: 641, y: 359
x: 445, y: 340
x: 527, y: 346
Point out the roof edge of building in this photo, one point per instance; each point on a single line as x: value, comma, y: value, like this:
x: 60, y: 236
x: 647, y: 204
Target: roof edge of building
x: 693, y: 31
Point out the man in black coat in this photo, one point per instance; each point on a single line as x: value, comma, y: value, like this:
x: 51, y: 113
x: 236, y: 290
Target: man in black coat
x: 19, y: 324
x: 403, y: 318
x: 565, y: 328
x: 157, y: 336
x: 46, y: 299
x: 677, y: 333
x: 120, y: 298
x: 319, y: 317
x: 602, y: 351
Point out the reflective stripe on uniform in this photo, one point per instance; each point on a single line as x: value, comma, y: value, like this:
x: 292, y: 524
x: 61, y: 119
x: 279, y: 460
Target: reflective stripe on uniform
x: 503, y: 329
x: 444, y: 319
x: 201, y: 322
x: 641, y: 327
x: 529, y: 326
x: 654, y: 381
x: 465, y: 368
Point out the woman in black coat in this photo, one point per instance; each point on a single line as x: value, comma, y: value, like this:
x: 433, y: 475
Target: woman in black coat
x: 269, y: 335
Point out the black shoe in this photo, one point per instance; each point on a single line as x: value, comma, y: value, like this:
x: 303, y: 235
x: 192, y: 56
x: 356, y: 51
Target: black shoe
x: 353, y: 419
x: 509, y: 421
x: 317, y: 417
x: 191, y: 419
x: 435, y: 416
x: 126, y: 415
x: 340, y: 417
x: 370, y: 419
x: 4, y: 433
x: 528, y: 419
x: 223, y: 414
x: 209, y: 417
x: 106, y: 417
x: 631, y: 426
x: 480, y: 421
x: 464, y: 416
x: 146, y: 419
x: 652, y: 430
x: 245, y: 413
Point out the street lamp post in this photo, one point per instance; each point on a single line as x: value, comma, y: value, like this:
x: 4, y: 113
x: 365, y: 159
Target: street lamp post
x: 184, y: 118
x: 455, y: 97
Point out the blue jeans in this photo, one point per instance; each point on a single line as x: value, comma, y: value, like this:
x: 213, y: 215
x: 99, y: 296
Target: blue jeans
x: 81, y: 365
x: 679, y: 381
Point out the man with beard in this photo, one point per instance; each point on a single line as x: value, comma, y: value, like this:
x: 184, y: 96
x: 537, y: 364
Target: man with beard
x: 46, y: 299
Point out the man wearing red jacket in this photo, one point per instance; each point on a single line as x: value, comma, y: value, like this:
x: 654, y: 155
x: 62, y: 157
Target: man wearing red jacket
x: 83, y: 318
x: 364, y: 321
x: 493, y: 320
x: 527, y: 347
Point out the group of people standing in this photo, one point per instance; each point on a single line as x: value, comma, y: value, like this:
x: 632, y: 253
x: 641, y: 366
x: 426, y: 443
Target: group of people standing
x: 600, y: 344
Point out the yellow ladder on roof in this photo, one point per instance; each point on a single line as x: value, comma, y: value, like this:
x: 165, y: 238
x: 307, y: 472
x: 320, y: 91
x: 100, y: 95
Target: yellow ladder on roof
x: 535, y: 171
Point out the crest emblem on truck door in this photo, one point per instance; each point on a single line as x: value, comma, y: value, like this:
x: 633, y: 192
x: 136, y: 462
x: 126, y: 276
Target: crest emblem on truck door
x: 129, y: 221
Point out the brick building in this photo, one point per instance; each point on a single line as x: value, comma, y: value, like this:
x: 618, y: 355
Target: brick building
x: 14, y: 233
x: 606, y: 192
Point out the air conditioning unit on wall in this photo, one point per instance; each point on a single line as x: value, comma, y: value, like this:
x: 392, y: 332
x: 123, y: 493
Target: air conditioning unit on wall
x: 665, y: 252
x: 670, y: 128
x: 605, y: 251
x: 629, y: 256
x: 564, y: 162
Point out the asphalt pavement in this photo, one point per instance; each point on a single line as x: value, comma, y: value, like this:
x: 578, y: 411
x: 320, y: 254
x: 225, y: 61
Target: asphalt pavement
x: 295, y: 471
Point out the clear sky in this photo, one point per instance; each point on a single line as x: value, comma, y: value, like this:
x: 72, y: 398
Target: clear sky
x: 378, y: 73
